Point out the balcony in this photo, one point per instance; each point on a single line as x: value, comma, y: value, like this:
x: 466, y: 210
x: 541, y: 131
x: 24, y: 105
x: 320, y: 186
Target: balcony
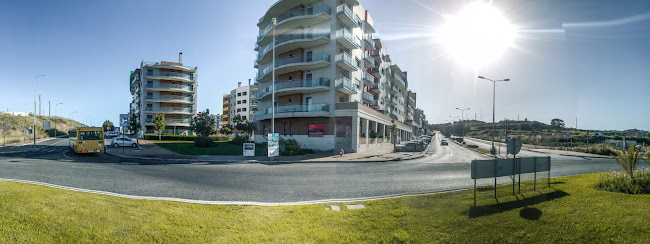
x: 347, y: 16
x: 368, y: 62
x: 344, y: 85
x: 369, y: 42
x: 393, y: 90
x: 367, y: 27
x: 351, y: 2
x: 290, y: 42
x: 368, y: 79
x: 376, y: 88
x: 367, y: 97
x: 176, y: 99
x: 297, y: 86
x: 292, y: 64
x: 347, y: 39
x: 291, y: 111
x: 172, y: 76
x: 168, y: 65
x: 375, y: 72
x: 170, y: 110
x: 170, y: 87
x: 292, y: 19
x: 399, y: 80
x: 253, y: 105
x: 172, y: 122
x: 377, y: 55
x: 345, y: 61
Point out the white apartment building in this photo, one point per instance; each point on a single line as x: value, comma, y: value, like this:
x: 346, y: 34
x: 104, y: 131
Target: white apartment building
x: 241, y: 101
x: 167, y: 88
x: 336, y: 86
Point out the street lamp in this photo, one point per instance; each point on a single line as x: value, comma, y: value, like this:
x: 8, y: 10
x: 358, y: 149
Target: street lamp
x: 34, y: 114
x: 55, y: 119
x: 462, y: 117
x: 494, y: 82
x: 274, y: 22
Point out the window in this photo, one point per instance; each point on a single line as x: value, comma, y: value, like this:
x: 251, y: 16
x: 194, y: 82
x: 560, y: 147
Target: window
x: 239, y: 94
x: 149, y: 72
x: 239, y: 102
x: 358, y: 62
x: 243, y: 109
x: 289, y: 99
x: 243, y: 93
x: 238, y: 110
x: 290, y: 77
x: 243, y: 101
x: 243, y: 117
x: 191, y: 76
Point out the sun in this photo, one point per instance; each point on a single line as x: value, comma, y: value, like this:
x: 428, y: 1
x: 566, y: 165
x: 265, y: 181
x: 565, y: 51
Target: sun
x: 479, y: 34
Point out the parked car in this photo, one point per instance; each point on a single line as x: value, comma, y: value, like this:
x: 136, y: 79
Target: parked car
x: 112, y: 133
x: 123, y: 142
x: 410, y: 146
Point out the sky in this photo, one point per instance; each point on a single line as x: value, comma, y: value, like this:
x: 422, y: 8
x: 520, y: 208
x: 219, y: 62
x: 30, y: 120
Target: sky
x: 585, y: 59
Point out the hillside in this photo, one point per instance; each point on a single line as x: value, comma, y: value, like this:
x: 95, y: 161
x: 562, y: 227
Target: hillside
x: 15, y: 125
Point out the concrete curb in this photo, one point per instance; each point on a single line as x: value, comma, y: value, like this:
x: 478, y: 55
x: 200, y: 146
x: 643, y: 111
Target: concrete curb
x: 264, y: 161
x: 473, y: 149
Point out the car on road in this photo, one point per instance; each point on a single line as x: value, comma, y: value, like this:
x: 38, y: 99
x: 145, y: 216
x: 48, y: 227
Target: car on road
x: 444, y: 143
x: 411, y: 146
x: 123, y: 142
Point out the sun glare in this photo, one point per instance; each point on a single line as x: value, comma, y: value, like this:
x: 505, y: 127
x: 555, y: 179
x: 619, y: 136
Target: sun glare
x: 477, y: 35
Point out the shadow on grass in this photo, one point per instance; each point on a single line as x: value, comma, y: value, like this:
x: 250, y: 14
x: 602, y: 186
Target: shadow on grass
x: 479, y: 211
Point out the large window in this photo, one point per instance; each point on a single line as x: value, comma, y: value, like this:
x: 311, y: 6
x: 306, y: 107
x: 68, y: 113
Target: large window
x: 316, y: 128
x: 90, y: 135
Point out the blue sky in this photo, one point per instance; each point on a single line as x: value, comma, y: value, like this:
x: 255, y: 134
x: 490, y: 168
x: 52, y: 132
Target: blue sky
x: 586, y: 59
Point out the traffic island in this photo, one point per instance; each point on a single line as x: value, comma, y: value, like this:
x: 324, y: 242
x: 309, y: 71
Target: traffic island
x: 571, y: 211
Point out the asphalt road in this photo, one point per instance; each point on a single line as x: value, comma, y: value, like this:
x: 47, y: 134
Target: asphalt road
x: 444, y: 168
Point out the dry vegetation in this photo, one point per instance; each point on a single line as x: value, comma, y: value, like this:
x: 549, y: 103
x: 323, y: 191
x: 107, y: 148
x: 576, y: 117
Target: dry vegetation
x: 15, y: 125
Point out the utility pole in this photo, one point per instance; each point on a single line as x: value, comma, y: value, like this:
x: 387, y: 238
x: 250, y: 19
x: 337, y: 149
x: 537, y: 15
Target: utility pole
x: 40, y: 107
x: 49, y: 108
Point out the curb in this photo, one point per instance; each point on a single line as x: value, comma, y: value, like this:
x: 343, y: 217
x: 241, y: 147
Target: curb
x: 261, y: 161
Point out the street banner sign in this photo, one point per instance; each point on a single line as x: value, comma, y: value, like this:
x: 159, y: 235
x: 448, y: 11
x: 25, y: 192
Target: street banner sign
x: 124, y: 120
x: 274, y: 145
x: 46, y: 125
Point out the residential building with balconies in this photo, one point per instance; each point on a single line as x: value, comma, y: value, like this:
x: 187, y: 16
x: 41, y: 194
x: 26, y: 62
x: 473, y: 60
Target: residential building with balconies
x: 240, y: 102
x: 331, y: 77
x: 167, y: 88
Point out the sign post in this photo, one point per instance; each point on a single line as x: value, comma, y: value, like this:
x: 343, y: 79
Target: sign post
x: 274, y: 145
x: 124, y: 122
x: 4, y: 133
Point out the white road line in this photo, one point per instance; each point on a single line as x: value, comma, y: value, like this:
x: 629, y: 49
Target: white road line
x: 265, y: 204
x: 67, y: 155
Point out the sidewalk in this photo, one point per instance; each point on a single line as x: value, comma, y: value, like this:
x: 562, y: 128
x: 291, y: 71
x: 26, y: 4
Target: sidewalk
x: 150, y: 150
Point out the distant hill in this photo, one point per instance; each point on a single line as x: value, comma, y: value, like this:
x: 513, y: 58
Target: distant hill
x: 15, y: 125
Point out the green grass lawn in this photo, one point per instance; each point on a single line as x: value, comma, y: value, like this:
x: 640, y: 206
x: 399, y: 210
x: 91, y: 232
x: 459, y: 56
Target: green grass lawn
x: 571, y: 211
x: 220, y: 148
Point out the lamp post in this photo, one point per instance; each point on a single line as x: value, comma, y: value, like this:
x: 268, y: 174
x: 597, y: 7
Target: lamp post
x: 462, y: 117
x: 34, y: 114
x: 494, y: 82
x: 274, y: 22
x: 55, y: 119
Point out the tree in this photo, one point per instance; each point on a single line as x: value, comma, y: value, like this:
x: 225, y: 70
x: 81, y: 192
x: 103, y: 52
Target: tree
x: 134, y: 124
x: 558, y: 123
x: 245, y: 126
x: 159, y: 124
x: 202, y: 124
x: 393, y: 129
x: 226, y: 130
x: 108, y: 125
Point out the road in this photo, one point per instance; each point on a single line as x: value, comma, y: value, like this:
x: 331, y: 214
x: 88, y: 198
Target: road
x: 443, y: 168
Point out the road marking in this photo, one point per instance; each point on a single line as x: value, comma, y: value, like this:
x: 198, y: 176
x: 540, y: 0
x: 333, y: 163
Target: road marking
x: 67, y: 155
x: 206, y: 202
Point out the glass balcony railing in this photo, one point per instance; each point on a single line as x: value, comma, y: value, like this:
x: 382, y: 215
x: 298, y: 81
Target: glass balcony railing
x: 343, y: 8
x: 398, y: 78
x: 368, y: 78
x: 296, y: 108
x: 345, y: 83
x: 322, y: 82
x: 172, y: 121
x: 294, y: 60
x: 345, y: 33
x: 170, y: 110
x: 368, y: 97
x: 283, y: 39
x: 369, y: 41
x: 170, y: 98
x: 295, y: 13
x: 172, y: 74
x: 171, y: 86
x: 346, y: 58
x: 160, y: 64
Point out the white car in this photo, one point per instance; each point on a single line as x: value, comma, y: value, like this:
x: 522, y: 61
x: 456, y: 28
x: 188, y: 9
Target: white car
x: 112, y: 133
x: 123, y: 142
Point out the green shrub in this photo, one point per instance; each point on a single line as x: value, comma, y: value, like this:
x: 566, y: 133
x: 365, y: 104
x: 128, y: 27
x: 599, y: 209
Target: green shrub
x: 239, y: 140
x: 221, y: 138
x: 204, y: 141
x: 291, y: 147
x: 619, y: 181
x: 170, y: 137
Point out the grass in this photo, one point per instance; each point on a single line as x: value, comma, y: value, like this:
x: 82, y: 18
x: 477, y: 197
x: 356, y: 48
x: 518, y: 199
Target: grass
x: 220, y: 148
x: 571, y: 211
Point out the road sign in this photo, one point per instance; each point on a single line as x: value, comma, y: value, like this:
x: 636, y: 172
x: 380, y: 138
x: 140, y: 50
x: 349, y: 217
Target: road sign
x: 514, y: 146
x: 274, y: 145
x: 46, y: 125
x: 124, y: 120
x: 502, y: 132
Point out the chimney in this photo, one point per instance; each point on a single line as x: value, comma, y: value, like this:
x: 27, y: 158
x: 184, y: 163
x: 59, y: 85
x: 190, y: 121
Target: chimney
x: 239, y: 84
x: 249, y: 82
x: 180, y: 57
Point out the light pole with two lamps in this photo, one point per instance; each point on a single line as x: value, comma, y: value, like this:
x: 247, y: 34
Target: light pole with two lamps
x: 494, y: 82
x: 34, y: 114
x: 56, y: 119
x: 462, y: 117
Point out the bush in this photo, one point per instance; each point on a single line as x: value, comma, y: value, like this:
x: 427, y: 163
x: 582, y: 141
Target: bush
x: 170, y: 137
x: 204, y: 141
x: 239, y: 140
x: 621, y: 182
x: 221, y: 138
x: 291, y: 147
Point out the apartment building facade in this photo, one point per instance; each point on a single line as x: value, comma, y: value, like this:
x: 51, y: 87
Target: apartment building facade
x: 335, y: 84
x: 240, y: 102
x: 168, y: 88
